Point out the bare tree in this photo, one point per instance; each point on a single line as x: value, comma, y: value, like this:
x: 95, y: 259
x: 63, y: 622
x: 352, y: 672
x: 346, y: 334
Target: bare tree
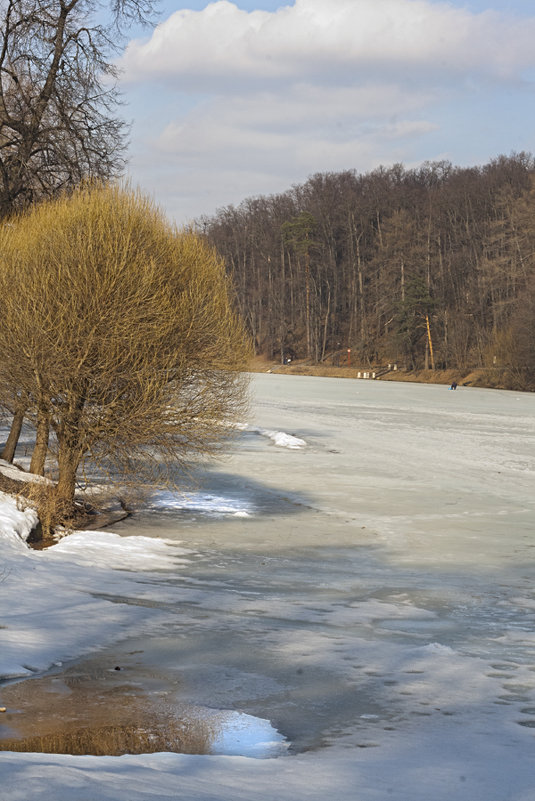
x: 120, y: 332
x: 466, y: 233
x: 58, y: 101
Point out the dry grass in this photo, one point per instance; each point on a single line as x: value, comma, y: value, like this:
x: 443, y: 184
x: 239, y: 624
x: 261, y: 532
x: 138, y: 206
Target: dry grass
x: 102, y: 711
x: 188, y: 737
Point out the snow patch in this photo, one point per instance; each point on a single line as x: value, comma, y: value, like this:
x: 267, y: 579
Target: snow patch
x: 106, y: 550
x: 12, y: 471
x: 15, y: 523
x: 245, y: 735
x: 281, y: 438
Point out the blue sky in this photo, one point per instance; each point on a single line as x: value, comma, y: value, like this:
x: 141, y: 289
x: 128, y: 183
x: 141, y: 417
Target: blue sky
x: 233, y: 99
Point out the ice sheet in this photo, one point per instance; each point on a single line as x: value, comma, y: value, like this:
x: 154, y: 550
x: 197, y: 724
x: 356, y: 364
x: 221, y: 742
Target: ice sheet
x: 376, y: 606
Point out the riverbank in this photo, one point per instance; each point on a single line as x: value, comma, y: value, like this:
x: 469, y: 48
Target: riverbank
x: 495, y: 378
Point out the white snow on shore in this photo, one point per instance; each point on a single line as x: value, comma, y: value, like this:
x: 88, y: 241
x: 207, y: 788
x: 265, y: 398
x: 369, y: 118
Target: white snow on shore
x: 49, y: 611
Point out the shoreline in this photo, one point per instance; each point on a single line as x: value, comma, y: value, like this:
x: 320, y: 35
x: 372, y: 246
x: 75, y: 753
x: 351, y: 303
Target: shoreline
x: 483, y: 377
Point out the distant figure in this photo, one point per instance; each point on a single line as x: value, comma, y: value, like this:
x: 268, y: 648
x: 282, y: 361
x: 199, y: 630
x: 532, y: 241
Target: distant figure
x: 453, y: 385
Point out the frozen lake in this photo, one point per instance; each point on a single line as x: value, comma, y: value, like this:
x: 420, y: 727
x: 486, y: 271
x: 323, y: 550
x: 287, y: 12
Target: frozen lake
x: 351, y: 591
x: 375, y: 581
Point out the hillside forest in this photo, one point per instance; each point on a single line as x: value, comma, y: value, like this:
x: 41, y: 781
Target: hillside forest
x: 432, y: 267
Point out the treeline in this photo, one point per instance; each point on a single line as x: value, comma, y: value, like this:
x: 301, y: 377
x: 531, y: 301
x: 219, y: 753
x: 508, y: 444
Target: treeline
x: 425, y: 267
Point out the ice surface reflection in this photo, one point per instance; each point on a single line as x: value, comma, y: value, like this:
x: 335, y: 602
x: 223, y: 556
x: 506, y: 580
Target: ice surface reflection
x: 202, y: 502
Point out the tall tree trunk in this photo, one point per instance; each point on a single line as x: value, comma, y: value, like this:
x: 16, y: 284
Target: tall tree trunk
x: 307, y: 306
x: 10, y: 447
x: 328, y: 311
x: 362, y: 303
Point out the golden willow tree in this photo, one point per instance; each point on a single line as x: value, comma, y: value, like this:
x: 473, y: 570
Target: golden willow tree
x: 59, y: 104
x: 119, y: 333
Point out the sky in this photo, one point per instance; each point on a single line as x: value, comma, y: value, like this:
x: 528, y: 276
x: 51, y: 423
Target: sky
x: 230, y: 100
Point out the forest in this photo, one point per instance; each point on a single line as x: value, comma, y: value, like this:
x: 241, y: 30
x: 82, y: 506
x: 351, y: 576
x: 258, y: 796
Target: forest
x: 430, y: 267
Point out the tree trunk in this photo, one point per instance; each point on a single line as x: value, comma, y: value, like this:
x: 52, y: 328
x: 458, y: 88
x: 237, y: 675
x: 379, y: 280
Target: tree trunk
x: 328, y: 311
x: 307, y: 306
x: 362, y: 305
x: 70, y: 453
x: 40, y: 450
x: 59, y: 505
x: 10, y: 447
x: 68, y: 463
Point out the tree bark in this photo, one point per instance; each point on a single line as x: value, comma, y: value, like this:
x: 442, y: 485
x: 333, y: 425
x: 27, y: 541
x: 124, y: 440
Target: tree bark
x: 68, y: 463
x: 70, y: 453
x: 40, y: 451
x: 8, y: 453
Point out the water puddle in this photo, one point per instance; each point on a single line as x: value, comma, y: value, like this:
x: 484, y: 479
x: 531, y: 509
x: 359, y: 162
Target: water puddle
x: 102, y: 710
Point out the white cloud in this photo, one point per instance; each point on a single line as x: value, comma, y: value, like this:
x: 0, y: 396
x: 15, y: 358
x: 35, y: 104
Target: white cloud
x: 302, y: 111
x: 314, y: 36
x: 288, y: 127
x: 218, y: 156
x: 252, y: 102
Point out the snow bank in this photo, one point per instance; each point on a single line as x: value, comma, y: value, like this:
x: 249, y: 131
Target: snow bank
x: 12, y: 471
x: 15, y: 525
x: 49, y: 608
